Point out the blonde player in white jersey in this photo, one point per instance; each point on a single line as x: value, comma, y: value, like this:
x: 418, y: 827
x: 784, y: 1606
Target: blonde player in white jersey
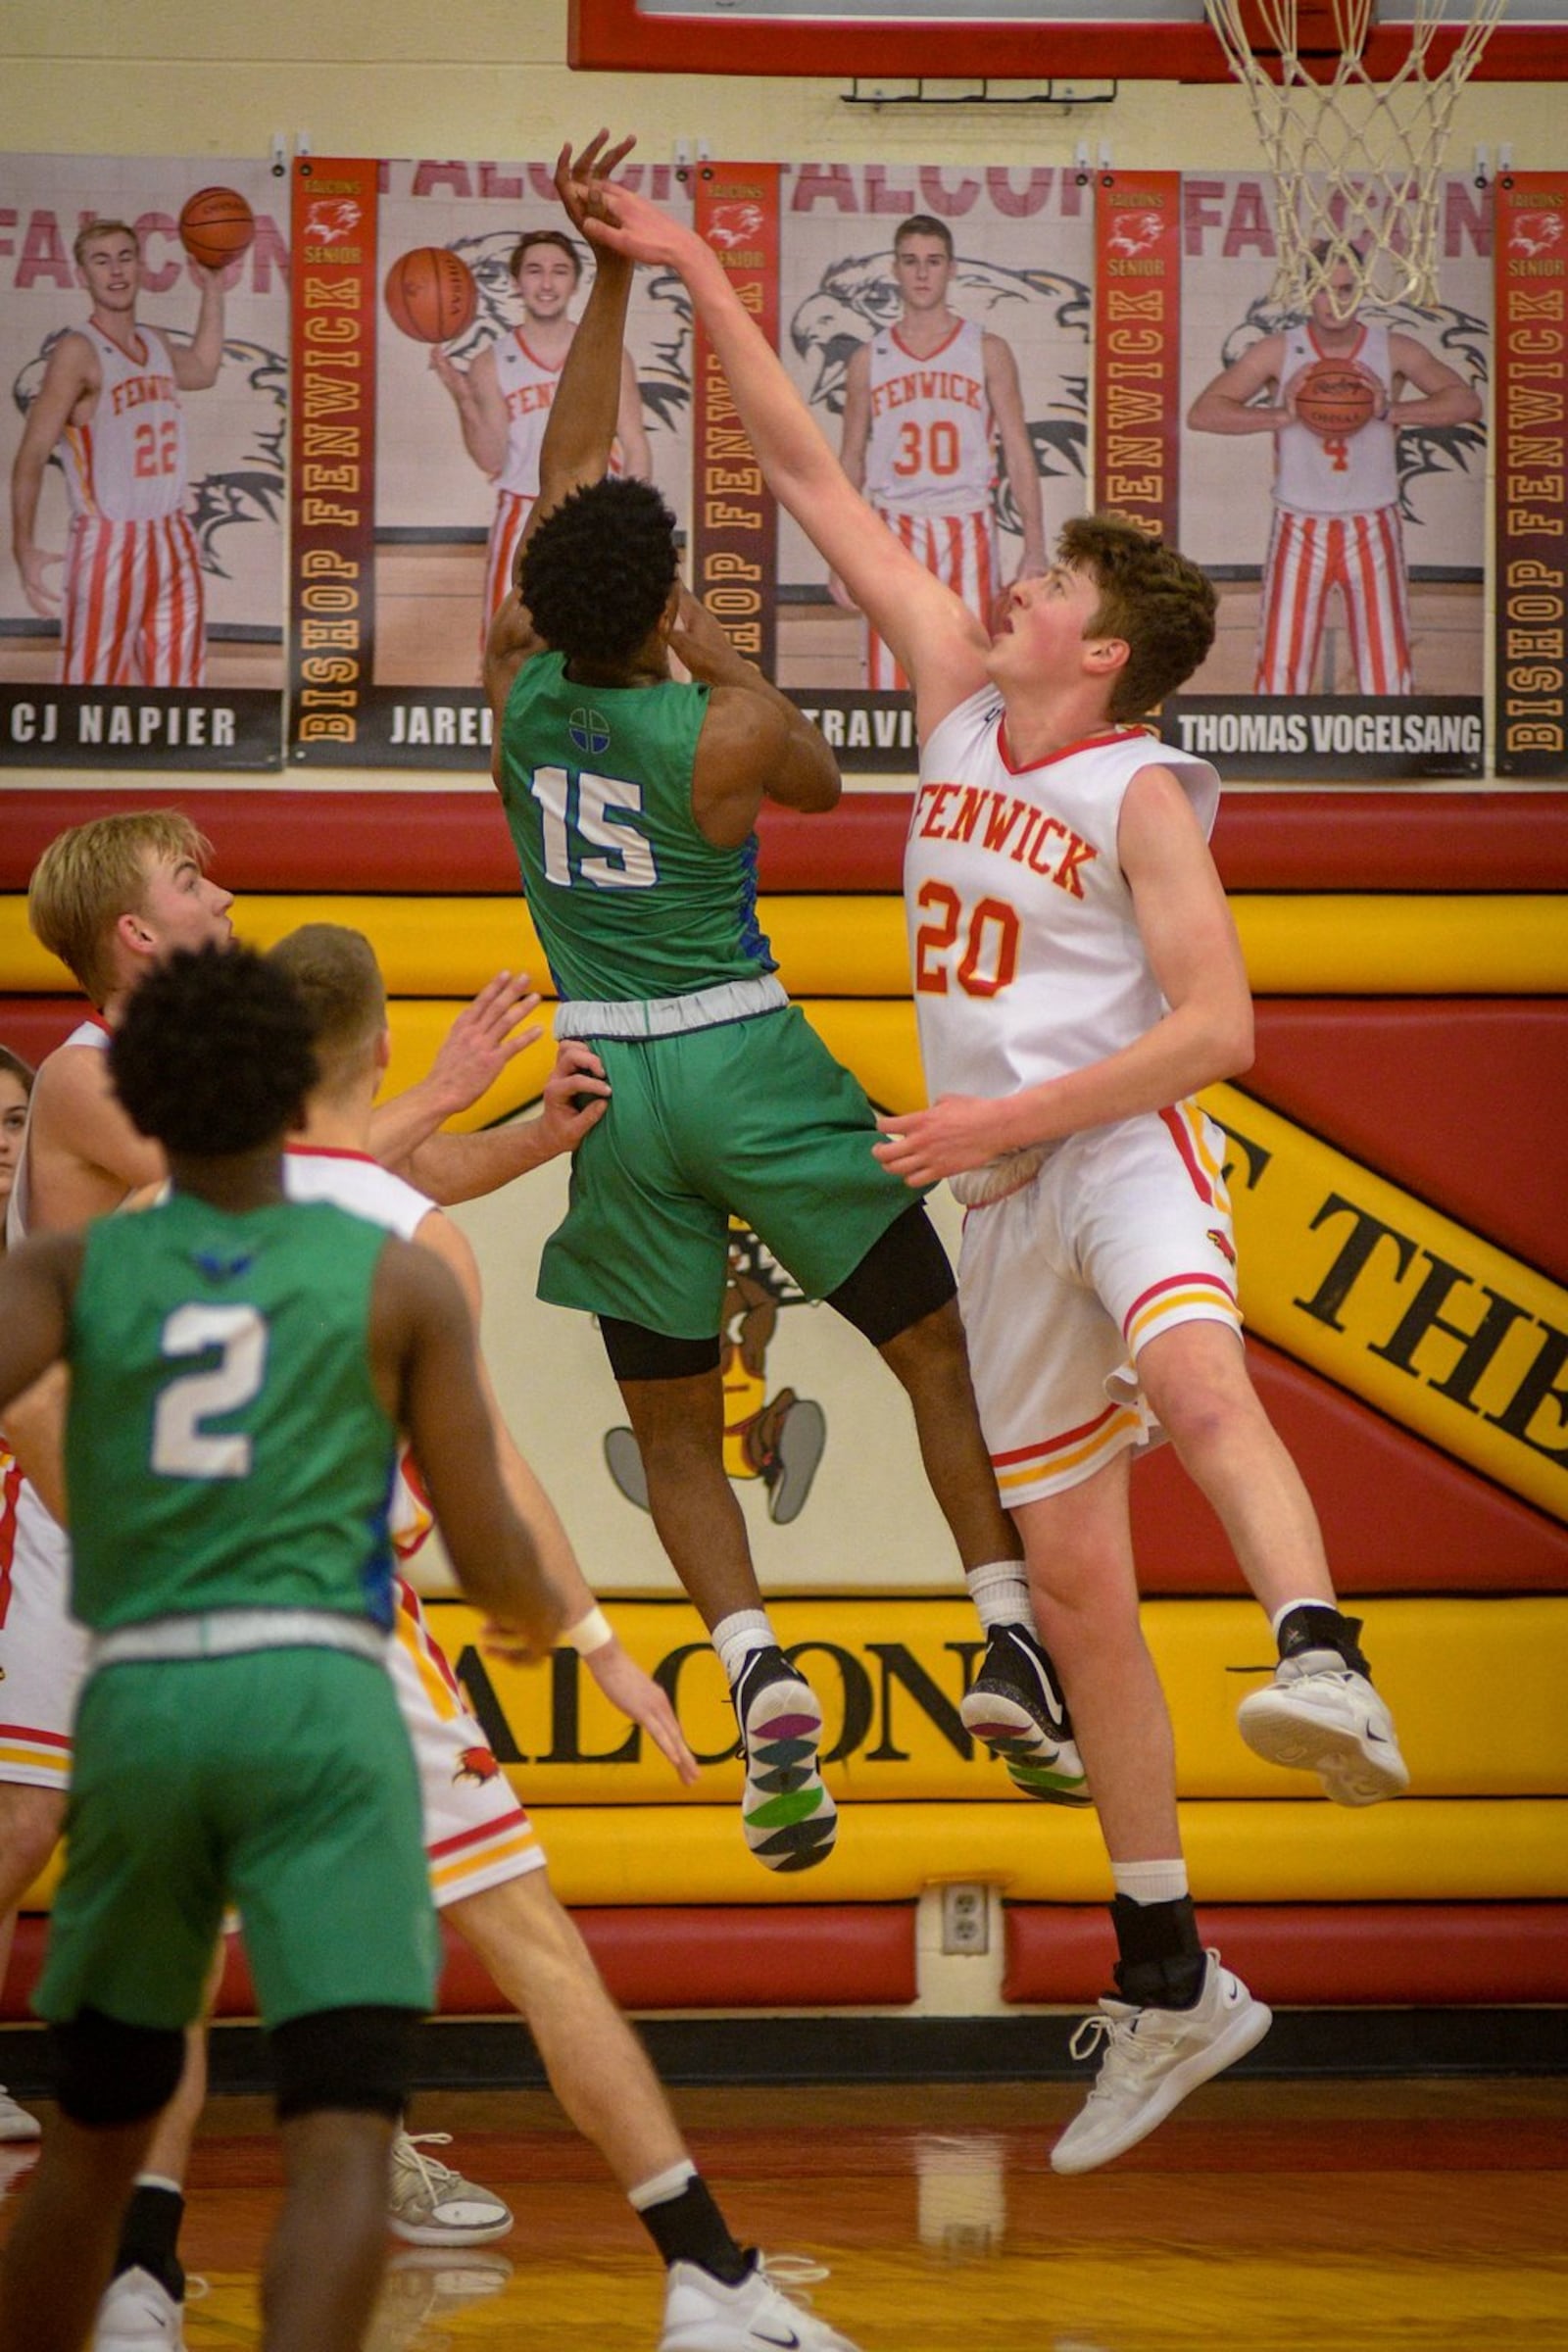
x: 926, y: 403
x: 503, y: 399
x: 1075, y: 961
x: 486, y: 1863
x: 1337, y: 521
x: 130, y: 600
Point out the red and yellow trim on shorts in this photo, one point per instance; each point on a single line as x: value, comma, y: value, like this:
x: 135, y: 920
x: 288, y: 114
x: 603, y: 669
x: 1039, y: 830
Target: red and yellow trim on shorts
x: 1179, y: 1299
x: 472, y: 1859
x: 1075, y: 1452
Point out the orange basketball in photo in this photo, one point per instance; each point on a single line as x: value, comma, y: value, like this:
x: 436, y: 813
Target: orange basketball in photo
x: 431, y: 294
x: 216, y: 225
x: 1335, y: 399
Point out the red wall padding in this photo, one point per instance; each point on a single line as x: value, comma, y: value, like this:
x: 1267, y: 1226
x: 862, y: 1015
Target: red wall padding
x: 457, y: 841
x: 1319, y: 1956
x: 1398, y: 1515
x: 730, y: 1957
x: 1460, y: 1100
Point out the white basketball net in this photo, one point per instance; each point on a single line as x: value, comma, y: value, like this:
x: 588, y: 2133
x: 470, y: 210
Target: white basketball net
x: 1359, y: 162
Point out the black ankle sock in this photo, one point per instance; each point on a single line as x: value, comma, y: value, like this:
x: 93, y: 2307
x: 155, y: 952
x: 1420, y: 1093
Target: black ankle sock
x: 691, y: 2229
x: 1162, y: 1962
x: 149, y: 2236
x: 1318, y: 1625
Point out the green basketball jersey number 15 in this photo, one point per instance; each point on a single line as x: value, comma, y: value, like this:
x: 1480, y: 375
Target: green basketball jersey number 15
x: 225, y: 1446
x: 629, y: 899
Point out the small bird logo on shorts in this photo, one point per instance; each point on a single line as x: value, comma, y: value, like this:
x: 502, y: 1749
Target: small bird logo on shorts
x: 589, y: 731
x: 476, y: 1764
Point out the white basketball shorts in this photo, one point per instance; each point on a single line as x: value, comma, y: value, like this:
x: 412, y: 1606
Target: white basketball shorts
x: 1123, y: 1232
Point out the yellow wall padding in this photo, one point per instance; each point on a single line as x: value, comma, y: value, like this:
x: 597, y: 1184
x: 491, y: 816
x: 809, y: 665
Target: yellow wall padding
x: 890, y: 1671
x: 1348, y: 944
x: 1441, y: 1850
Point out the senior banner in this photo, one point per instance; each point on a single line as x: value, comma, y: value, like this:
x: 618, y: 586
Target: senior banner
x: 1332, y: 486
x: 442, y: 303
x: 143, y: 341
x: 1532, y: 511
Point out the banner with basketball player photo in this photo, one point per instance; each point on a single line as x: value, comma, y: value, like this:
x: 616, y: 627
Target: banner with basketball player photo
x: 434, y: 304
x: 143, y: 344
x: 1347, y: 545
x: 1531, y: 472
x: 937, y: 318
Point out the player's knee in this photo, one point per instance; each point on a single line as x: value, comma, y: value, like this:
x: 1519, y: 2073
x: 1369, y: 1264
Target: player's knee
x: 30, y: 1824
x: 109, y: 2074
x: 637, y: 1353
x: 904, y: 1277
x: 357, y: 2061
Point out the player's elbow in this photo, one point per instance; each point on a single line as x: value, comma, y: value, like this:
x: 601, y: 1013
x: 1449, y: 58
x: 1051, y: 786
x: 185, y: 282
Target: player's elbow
x: 1234, y: 1040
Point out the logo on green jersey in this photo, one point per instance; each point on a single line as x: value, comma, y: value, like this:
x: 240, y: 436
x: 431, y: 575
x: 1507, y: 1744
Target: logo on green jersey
x: 589, y: 730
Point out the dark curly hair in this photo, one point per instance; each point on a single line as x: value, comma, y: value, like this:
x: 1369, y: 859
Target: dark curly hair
x: 1158, y: 600
x: 214, y: 1054
x: 598, y: 572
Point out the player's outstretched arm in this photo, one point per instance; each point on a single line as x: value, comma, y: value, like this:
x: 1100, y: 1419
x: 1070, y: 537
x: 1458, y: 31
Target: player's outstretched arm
x: 931, y: 632
x: 422, y: 1349
x: 485, y: 1036
x: 624, y: 1683
x: 449, y: 1168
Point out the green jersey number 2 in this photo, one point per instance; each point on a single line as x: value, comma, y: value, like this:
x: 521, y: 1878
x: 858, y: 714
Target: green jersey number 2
x: 627, y: 862
x: 181, y: 1447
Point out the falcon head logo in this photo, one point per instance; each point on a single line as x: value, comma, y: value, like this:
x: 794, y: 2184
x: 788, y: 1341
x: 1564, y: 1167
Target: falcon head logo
x: 736, y: 225
x: 330, y: 220
x: 1134, y: 232
x: 1536, y: 232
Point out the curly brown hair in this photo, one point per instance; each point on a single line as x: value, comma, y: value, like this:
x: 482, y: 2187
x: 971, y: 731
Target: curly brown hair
x: 1151, y: 596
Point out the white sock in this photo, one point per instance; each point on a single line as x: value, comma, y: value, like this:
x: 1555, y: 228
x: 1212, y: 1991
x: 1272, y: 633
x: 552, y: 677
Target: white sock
x: 670, y: 2183
x: 1150, y: 1881
x: 739, y: 1638
x: 1280, y: 1615
x: 1000, y: 1592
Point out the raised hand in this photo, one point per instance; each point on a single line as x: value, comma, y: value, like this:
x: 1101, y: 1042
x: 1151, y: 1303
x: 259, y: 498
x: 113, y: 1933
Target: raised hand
x: 482, y: 1040
x: 580, y: 178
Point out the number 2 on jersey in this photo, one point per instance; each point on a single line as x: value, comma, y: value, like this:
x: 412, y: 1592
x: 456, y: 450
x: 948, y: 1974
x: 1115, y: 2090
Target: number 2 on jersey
x: 181, y: 1448
x: 628, y: 863
x: 977, y: 945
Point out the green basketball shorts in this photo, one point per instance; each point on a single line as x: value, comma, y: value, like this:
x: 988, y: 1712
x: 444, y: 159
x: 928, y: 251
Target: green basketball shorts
x: 753, y: 1119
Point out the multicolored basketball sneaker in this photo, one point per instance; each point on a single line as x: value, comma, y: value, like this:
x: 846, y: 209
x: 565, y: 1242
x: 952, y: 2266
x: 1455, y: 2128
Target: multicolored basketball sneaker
x: 789, y: 1817
x: 1016, y: 1709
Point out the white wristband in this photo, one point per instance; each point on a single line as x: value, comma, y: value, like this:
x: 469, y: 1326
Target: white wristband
x: 590, y: 1632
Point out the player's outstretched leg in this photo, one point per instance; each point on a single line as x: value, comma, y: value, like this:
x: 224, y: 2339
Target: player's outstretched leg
x: 1016, y: 1709
x: 1151, y: 2057
x: 788, y: 1815
x: 766, y: 2308
x: 790, y: 1820
x: 1321, y: 1714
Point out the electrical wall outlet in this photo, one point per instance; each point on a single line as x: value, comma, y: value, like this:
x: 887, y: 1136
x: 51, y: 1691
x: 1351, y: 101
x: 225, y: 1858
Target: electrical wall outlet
x: 965, y: 1920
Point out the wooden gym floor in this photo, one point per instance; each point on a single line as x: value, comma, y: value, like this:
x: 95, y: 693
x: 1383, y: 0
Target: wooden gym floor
x: 1266, y: 2217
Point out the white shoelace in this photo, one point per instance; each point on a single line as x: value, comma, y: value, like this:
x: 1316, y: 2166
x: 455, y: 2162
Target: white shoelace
x: 436, y: 2174
x: 792, y: 2275
x: 1124, y: 2049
